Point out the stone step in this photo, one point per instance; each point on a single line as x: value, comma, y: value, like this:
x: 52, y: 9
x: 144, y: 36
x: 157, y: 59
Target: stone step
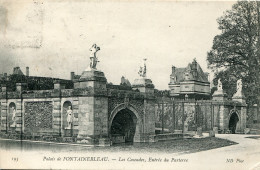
x: 255, y: 131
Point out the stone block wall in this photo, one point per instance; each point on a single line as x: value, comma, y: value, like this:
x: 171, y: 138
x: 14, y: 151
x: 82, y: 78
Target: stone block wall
x: 86, y: 117
x: 149, y: 117
x: 101, y: 116
x: 252, y: 118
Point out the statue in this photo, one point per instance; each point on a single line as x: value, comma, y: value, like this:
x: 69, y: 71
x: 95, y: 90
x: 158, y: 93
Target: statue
x: 142, y: 70
x: 93, y: 59
x: 13, y: 117
x: 70, y: 117
x: 239, y: 85
x: 219, y: 85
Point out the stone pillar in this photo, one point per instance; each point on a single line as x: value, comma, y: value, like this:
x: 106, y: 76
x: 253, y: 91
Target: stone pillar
x: 57, y: 116
x: 148, y: 123
x: 19, y: 116
x: 4, y: 111
x: 240, y: 98
x: 20, y: 87
x: 222, y: 118
x: 145, y: 85
x: 93, y: 108
x: 4, y: 114
x: 243, y: 117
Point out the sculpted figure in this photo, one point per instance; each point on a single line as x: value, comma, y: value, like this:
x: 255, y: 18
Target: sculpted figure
x: 239, y: 85
x: 219, y: 85
x: 13, y: 117
x: 93, y: 59
x: 142, y: 70
x: 70, y: 117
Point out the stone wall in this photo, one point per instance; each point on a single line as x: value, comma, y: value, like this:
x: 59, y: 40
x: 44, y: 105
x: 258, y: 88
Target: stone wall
x: 188, y: 115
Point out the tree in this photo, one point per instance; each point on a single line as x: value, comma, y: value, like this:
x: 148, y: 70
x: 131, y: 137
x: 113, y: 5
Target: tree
x: 236, y: 51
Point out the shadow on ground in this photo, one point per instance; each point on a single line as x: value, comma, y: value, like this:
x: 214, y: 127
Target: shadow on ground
x: 180, y: 146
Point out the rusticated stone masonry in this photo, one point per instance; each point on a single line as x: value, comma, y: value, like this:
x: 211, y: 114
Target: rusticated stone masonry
x: 38, y: 115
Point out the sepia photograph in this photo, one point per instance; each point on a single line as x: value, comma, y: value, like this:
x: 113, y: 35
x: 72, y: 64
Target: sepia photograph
x: 129, y: 84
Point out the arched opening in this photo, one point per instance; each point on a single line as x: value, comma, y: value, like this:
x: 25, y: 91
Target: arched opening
x: 123, y: 126
x: 67, y: 123
x: 12, y: 115
x: 233, y: 122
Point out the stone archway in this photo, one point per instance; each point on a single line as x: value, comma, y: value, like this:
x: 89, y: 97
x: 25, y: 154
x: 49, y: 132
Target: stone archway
x: 124, y: 124
x: 233, y: 122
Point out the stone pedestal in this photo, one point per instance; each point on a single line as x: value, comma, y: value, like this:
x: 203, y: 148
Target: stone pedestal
x: 144, y: 85
x: 199, y: 131
x: 219, y: 95
x: 215, y: 129
x: 211, y: 133
x: 94, y: 79
x: 68, y: 132
x: 241, y: 99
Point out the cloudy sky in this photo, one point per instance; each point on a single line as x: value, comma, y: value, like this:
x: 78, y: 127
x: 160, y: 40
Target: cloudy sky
x: 53, y: 37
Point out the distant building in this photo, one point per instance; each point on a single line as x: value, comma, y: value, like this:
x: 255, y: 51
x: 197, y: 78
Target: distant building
x: 190, y: 82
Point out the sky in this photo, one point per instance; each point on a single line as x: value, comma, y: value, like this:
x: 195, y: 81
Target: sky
x: 53, y: 38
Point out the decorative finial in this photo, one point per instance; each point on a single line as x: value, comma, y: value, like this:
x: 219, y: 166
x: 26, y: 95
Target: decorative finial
x: 93, y: 59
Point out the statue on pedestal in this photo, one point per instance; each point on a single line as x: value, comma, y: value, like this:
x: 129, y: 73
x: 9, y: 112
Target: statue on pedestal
x: 142, y: 70
x: 70, y: 117
x: 93, y: 59
x: 13, y: 117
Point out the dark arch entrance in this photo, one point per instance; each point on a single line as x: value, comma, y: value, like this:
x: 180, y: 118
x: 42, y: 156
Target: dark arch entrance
x: 124, y: 126
x: 233, y: 122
